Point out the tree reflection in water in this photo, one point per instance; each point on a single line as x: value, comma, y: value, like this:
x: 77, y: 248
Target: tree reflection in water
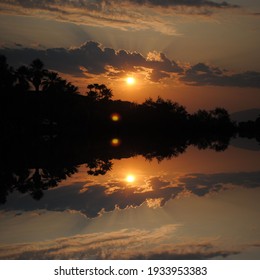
x: 44, y: 168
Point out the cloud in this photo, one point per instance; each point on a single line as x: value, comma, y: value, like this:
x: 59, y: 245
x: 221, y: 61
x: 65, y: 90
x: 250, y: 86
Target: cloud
x: 99, y: 4
x: 195, y: 252
x: 87, y: 246
x: 202, y: 184
x: 93, y: 199
x: 124, y: 15
x: 245, y: 179
x: 92, y: 58
x: 194, y: 3
x: 122, y: 244
x: 205, y: 75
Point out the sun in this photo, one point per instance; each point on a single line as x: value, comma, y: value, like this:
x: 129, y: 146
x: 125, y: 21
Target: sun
x: 130, y: 80
x: 130, y: 178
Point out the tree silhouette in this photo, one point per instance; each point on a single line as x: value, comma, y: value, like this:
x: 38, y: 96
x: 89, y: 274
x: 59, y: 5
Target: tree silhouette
x: 163, y: 114
x: 7, y: 76
x: 33, y: 181
x: 97, y: 92
x: 71, y: 89
x: 221, y: 118
x: 54, y: 84
x: 99, y: 166
x: 36, y: 73
x: 51, y: 81
x: 22, y: 84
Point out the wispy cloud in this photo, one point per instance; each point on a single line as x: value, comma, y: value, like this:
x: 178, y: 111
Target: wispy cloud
x: 122, y: 244
x: 125, y: 15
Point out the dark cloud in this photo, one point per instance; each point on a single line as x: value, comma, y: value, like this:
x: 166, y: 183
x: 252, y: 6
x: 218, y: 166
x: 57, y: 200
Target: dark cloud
x: 94, y: 59
x: 156, y: 76
x: 205, y: 75
x: 196, y: 253
x: 189, y: 3
x: 91, y: 58
x: 98, y: 4
x: 202, y: 184
x: 93, y: 199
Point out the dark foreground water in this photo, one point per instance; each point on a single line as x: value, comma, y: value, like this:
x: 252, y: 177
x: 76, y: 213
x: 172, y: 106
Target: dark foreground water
x: 202, y: 204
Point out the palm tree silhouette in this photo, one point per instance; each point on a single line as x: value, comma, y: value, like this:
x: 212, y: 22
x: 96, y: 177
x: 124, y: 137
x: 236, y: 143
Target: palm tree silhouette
x: 50, y: 82
x: 53, y: 83
x: 7, y: 76
x: 22, y: 74
x: 36, y: 73
x: 71, y: 89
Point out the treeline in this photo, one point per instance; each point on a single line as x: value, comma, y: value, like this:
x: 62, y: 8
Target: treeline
x: 37, y: 102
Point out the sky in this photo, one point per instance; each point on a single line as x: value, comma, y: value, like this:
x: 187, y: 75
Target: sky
x: 200, y: 53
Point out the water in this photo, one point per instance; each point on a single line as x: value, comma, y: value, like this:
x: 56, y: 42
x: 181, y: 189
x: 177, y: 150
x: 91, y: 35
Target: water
x: 201, y: 204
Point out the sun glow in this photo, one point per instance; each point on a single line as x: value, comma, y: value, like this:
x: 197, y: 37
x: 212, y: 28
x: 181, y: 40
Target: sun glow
x: 115, y: 117
x: 130, y: 178
x: 130, y: 80
x: 115, y: 142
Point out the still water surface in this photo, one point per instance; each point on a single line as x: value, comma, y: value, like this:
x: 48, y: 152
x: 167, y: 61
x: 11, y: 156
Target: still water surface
x: 200, y: 205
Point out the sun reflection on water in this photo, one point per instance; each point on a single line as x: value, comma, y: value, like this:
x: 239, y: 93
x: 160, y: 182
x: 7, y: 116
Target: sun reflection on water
x: 115, y: 142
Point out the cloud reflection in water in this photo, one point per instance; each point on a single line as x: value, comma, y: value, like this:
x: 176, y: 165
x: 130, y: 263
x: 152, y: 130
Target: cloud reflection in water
x: 92, y: 199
